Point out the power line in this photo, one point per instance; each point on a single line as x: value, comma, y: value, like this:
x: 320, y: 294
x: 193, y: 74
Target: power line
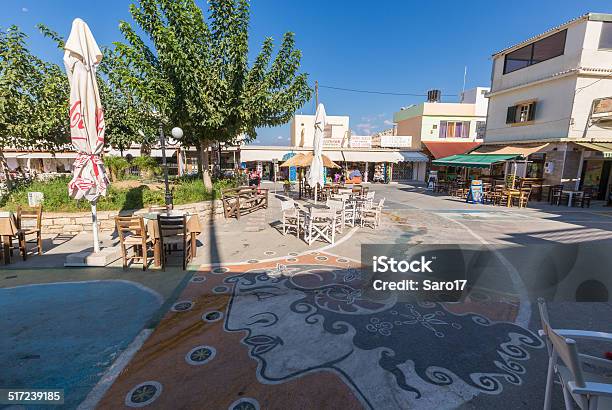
x: 594, y: 82
x: 380, y: 92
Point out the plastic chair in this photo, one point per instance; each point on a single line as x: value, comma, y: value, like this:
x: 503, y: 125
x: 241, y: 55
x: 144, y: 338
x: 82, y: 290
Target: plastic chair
x: 590, y: 391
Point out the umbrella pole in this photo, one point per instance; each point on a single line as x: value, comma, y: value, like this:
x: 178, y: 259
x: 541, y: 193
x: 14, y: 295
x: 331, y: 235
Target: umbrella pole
x: 94, y: 224
x: 316, y: 192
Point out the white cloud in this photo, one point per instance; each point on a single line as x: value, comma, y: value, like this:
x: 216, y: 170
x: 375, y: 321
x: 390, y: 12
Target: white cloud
x: 387, y: 122
x: 279, y: 137
x: 25, y: 9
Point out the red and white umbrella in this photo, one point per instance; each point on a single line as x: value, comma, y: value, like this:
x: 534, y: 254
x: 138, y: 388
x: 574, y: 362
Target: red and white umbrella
x: 81, y: 57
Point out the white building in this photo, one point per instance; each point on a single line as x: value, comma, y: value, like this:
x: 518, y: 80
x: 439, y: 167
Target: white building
x: 551, y: 100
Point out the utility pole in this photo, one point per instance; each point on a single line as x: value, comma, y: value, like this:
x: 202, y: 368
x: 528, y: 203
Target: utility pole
x: 316, y: 94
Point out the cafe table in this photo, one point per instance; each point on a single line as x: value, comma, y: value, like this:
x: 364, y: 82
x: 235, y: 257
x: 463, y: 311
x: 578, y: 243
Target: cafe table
x: 570, y: 195
x: 8, y: 230
x: 193, y: 229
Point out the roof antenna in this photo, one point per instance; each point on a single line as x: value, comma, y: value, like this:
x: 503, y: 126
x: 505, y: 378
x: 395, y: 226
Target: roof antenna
x: 464, y: 77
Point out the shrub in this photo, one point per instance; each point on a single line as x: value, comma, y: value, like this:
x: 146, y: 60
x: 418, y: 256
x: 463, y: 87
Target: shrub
x: 116, y: 166
x: 147, y: 166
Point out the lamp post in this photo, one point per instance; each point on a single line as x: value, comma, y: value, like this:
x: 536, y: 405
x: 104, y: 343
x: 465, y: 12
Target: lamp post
x: 177, y: 134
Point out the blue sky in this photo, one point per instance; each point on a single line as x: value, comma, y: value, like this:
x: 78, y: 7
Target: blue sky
x: 390, y: 46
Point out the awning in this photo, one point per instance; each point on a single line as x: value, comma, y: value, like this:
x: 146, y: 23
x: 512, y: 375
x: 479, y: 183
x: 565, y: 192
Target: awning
x: 39, y: 154
x: 517, y: 149
x: 384, y: 156
x: 413, y: 156
x: 603, y: 147
x: 441, y: 149
x: 473, y: 160
x: 262, y: 155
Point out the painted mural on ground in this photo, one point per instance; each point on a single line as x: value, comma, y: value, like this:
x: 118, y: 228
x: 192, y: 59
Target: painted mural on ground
x: 299, y: 333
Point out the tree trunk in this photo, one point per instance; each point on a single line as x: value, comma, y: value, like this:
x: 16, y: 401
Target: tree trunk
x: 199, y: 157
x: 6, y: 171
x: 205, y: 168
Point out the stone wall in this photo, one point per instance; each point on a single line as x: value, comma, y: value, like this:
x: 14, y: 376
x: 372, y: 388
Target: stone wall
x: 71, y: 223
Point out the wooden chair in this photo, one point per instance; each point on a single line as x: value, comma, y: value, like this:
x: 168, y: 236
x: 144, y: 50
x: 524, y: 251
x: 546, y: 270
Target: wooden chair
x: 133, y: 234
x: 523, y: 199
x: 557, y: 196
x: 291, y: 217
x: 9, y: 232
x: 372, y: 215
x: 337, y: 208
x: 319, y: 224
x: 160, y: 208
x: 30, y: 221
x: 173, y: 232
x: 588, y: 390
x: 584, y: 199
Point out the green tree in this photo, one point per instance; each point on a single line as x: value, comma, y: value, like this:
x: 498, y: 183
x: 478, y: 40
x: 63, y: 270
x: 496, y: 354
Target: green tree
x: 116, y: 166
x: 33, y: 99
x: 198, y: 76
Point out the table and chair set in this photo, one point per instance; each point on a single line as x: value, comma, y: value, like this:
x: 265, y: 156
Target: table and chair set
x: 161, y: 231
x: 314, y: 222
x: 18, y: 229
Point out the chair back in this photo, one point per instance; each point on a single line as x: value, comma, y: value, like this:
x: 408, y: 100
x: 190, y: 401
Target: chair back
x: 370, y: 195
x: 364, y: 190
x: 381, y: 203
x: 587, y: 193
x: 334, y: 205
x: 31, y: 216
x: 160, y: 208
x: 562, y: 347
x: 557, y: 189
x: 129, y: 226
x: 356, y: 189
x: 8, y: 223
x: 287, y: 205
x: 171, y: 225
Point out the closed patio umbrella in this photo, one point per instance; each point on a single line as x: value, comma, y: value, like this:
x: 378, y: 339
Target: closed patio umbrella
x: 315, y: 174
x: 89, y: 180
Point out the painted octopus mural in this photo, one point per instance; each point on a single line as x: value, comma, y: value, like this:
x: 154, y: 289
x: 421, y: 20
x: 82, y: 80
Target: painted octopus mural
x: 307, y: 318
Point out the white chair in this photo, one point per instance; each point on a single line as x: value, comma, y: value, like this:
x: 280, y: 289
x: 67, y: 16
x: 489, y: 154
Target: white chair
x: 337, y: 207
x: 372, y: 216
x: 369, y: 200
x: 291, y: 217
x: 350, y: 210
x: 590, y: 391
x: 319, y: 224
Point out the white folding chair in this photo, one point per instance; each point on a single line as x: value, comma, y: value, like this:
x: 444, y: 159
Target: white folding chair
x: 291, y: 217
x: 337, y: 207
x: 320, y: 224
x: 590, y: 391
x: 372, y: 216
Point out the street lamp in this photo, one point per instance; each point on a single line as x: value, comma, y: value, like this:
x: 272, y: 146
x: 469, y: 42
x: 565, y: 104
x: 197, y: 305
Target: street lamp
x: 177, y: 134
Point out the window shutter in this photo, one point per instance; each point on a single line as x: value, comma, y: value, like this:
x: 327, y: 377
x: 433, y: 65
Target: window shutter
x: 532, y: 111
x: 511, y: 115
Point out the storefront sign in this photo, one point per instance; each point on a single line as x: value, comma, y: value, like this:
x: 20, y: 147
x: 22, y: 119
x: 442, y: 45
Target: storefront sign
x: 395, y: 141
x: 360, y: 141
x: 332, y: 142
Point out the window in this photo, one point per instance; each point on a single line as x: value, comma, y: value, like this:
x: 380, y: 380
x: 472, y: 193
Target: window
x: 542, y: 50
x: 605, y: 39
x: 454, y: 129
x: 521, y: 113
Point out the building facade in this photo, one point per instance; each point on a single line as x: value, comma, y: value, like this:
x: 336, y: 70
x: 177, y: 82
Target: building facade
x: 553, y: 93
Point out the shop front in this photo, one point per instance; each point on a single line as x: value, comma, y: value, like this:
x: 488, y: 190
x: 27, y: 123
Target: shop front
x: 596, y: 168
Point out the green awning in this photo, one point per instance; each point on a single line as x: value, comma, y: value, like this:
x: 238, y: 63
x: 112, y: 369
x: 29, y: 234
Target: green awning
x: 473, y: 160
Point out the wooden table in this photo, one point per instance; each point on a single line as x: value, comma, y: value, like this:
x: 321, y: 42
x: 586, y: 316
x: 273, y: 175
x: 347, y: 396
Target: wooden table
x: 8, y: 230
x: 193, y: 229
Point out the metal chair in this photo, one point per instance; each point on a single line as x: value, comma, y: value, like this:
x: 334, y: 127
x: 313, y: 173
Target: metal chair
x: 133, y: 234
x: 584, y: 198
x: 173, y: 232
x: 590, y: 391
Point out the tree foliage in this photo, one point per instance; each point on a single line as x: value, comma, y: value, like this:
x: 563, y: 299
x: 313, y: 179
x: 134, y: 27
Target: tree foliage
x: 33, y: 97
x: 198, y: 76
